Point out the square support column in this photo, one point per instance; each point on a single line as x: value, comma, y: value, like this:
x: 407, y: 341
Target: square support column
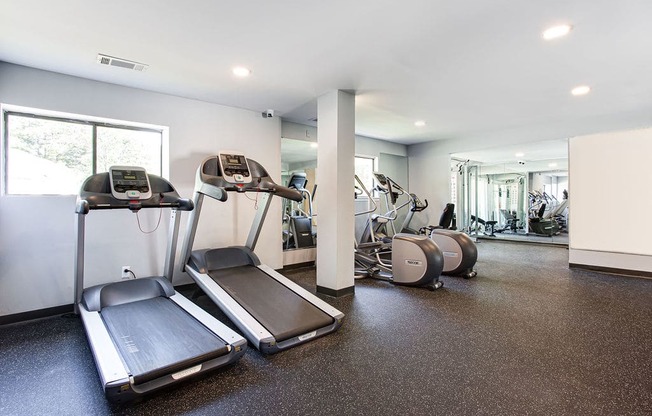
x: 336, y: 170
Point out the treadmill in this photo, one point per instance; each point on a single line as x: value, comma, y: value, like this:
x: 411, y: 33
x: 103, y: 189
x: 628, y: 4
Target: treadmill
x: 142, y: 333
x: 301, y: 225
x: 273, y: 312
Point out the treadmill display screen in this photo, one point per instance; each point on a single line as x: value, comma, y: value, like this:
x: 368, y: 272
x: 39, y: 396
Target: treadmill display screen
x: 130, y: 180
x: 129, y: 183
x: 234, y: 165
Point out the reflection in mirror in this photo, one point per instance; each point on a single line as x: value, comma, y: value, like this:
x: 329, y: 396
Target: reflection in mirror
x: 298, y: 168
x: 518, y: 192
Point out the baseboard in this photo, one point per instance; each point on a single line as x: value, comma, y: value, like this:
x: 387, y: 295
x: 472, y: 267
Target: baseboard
x: 304, y: 265
x: 58, y: 310
x: 37, y: 314
x: 612, y: 270
x: 336, y: 293
x: 611, y: 262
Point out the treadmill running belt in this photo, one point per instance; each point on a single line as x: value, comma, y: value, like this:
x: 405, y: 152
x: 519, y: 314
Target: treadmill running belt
x: 284, y: 313
x: 156, y: 337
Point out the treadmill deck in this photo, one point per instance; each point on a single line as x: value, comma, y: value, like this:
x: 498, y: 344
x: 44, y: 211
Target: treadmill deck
x: 156, y: 337
x: 282, y: 312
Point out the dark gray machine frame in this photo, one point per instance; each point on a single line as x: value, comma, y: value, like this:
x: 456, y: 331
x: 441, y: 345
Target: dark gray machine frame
x: 243, y: 267
x: 143, y: 301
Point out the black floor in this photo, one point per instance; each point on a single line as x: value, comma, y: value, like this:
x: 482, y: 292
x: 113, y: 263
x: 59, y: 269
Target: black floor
x: 528, y: 336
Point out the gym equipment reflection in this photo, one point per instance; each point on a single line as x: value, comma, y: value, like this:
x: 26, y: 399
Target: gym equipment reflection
x: 520, y: 200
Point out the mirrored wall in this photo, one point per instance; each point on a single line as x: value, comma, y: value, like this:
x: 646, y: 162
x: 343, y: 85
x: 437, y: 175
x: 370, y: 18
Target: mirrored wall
x: 298, y: 170
x: 516, y: 192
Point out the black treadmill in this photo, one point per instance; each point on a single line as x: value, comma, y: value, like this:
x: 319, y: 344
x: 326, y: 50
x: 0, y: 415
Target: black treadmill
x: 273, y: 312
x: 142, y: 333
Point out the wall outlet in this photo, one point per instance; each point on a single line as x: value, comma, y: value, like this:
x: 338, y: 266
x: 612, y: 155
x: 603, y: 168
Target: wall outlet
x: 125, y: 272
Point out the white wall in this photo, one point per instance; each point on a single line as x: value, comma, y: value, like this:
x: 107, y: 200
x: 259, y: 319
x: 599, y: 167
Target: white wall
x: 37, y: 233
x: 609, y: 186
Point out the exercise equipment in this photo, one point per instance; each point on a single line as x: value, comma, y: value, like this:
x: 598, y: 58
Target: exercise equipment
x: 546, y: 213
x: 144, y: 335
x: 410, y: 260
x: 459, y: 251
x: 273, y: 312
x: 300, y: 232
x: 488, y: 226
x: 381, y: 226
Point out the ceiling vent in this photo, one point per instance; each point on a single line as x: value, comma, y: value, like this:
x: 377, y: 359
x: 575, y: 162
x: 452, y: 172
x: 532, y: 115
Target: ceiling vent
x: 119, y: 62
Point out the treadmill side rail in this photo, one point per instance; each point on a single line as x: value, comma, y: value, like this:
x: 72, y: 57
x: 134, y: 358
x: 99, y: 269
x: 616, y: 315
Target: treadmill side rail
x: 227, y: 334
x: 109, y: 364
x: 328, y: 309
x: 253, y: 330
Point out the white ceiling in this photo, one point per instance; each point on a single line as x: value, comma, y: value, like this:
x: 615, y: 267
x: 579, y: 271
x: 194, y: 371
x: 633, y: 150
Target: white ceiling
x: 472, y: 68
x: 531, y: 152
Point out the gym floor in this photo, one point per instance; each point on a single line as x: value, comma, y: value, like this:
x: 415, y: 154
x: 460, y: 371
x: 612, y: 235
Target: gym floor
x: 527, y: 336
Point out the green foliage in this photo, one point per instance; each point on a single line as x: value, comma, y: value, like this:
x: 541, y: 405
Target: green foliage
x: 70, y: 144
x: 60, y: 142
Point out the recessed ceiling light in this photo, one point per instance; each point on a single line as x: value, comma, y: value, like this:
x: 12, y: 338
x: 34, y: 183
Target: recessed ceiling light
x: 314, y: 145
x: 555, y: 32
x: 420, y: 123
x: 581, y: 90
x: 552, y: 165
x: 241, y: 71
x: 519, y: 154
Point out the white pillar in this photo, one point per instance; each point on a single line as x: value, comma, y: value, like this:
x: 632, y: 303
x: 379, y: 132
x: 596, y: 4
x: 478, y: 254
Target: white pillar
x: 335, y: 173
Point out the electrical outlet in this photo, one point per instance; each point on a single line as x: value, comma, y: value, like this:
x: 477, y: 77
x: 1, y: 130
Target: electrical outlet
x: 125, y: 272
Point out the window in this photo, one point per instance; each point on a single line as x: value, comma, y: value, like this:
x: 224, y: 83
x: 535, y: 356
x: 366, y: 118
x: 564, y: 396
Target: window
x: 46, y: 155
x: 364, y: 168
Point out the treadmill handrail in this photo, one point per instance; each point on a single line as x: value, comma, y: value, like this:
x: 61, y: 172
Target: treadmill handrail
x: 209, y: 174
x: 210, y: 182
x: 95, y: 194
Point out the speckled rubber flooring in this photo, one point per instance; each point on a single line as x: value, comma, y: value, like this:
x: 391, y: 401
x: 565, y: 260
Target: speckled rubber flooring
x: 528, y: 336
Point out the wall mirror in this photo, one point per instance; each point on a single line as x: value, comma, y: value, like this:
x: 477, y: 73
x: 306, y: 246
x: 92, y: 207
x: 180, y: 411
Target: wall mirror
x: 517, y: 192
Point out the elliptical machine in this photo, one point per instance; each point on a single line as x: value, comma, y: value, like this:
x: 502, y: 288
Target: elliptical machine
x: 410, y: 260
x: 459, y: 251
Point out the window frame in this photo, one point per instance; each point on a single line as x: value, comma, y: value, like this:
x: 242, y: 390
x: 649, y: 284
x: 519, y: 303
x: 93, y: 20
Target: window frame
x: 95, y: 122
x: 374, y: 168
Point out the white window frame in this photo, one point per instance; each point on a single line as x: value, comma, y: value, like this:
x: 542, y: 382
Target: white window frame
x: 8, y: 109
x: 374, y: 192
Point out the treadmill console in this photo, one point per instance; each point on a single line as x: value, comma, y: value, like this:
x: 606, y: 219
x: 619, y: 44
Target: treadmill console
x: 129, y: 183
x: 234, y: 166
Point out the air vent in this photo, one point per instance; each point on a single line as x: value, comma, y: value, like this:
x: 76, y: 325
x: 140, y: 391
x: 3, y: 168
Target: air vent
x: 119, y: 62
